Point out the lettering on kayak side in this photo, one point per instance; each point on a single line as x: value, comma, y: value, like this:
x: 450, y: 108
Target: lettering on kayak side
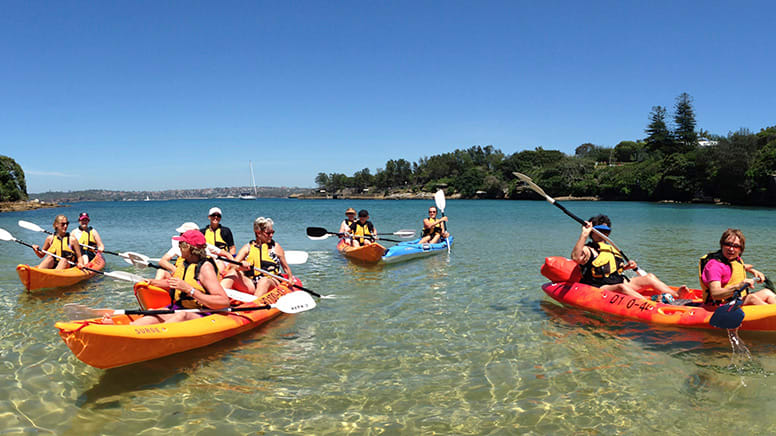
x: 617, y: 299
x: 146, y: 330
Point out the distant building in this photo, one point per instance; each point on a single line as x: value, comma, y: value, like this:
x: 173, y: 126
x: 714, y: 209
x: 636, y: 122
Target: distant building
x: 705, y: 142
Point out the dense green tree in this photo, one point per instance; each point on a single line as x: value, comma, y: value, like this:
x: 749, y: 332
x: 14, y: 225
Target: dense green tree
x: 659, y: 138
x: 362, y: 179
x: 12, y: 184
x: 684, y: 118
x: 322, y: 180
x: 629, y: 151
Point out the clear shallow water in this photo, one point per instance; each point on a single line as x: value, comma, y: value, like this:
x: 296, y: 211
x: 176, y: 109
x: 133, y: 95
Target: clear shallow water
x: 465, y: 344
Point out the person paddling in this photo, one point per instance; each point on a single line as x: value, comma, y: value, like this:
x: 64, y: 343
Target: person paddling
x: 216, y: 234
x: 363, y: 227
x: 87, y: 235
x: 603, y: 265
x: 61, y: 244
x: 263, y: 253
x: 432, y: 227
x: 193, y: 285
x: 723, y: 272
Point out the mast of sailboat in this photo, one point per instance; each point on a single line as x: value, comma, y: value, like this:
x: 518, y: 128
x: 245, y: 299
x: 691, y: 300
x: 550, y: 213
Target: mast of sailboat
x: 253, y: 181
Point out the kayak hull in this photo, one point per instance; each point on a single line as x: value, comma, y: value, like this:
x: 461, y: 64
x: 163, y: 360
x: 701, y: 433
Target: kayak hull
x: 371, y: 253
x: 109, y: 346
x: 413, y: 250
x: 573, y: 293
x: 34, y: 278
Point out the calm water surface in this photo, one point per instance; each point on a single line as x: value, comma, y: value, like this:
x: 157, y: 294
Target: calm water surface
x: 459, y: 344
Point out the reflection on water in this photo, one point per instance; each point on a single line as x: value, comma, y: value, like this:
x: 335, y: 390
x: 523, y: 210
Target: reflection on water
x: 464, y: 343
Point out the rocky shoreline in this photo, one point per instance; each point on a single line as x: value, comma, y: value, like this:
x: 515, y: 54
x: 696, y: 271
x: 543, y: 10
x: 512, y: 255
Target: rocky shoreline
x: 19, y: 206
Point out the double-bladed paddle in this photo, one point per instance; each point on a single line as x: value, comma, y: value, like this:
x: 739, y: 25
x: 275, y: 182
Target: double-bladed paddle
x: 439, y: 199
x: 554, y: 202
x: 319, y: 233
x: 293, y: 302
x: 36, y: 228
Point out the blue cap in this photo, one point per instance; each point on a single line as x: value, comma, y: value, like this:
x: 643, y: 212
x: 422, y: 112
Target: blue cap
x: 602, y: 228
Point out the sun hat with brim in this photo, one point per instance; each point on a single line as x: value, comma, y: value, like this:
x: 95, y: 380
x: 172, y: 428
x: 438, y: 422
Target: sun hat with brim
x: 187, y: 226
x: 350, y: 210
x: 191, y: 237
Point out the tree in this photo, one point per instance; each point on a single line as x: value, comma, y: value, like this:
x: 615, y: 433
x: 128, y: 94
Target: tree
x: 12, y: 184
x: 658, y: 136
x: 322, y: 180
x: 684, y: 119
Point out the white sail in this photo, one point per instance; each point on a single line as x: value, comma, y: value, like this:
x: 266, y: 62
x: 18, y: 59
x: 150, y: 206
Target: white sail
x: 246, y: 195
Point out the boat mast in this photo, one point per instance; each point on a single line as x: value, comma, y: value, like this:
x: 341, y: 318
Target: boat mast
x: 253, y: 181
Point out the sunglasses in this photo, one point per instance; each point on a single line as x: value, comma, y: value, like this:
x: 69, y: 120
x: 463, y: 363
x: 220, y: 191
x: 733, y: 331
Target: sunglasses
x: 215, y: 215
x: 65, y: 223
x: 731, y: 245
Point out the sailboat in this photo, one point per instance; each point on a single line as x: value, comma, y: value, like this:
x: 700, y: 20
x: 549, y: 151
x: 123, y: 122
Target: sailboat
x: 247, y: 195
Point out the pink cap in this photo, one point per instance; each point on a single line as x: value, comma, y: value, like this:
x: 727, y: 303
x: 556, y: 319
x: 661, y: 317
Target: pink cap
x: 192, y: 237
x: 83, y: 215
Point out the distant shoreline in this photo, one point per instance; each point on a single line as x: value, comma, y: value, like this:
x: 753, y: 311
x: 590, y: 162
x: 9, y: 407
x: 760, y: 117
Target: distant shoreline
x: 20, y: 206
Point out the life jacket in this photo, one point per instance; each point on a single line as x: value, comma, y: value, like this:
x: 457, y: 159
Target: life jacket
x: 737, y: 273
x: 61, y: 247
x: 606, y: 267
x: 214, y: 238
x: 189, y: 272
x: 437, y: 228
x: 358, y: 230
x: 263, y: 256
x: 86, y: 238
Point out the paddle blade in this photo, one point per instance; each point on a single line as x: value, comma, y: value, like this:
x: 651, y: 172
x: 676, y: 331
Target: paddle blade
x: 295, y: 302
x: 30, y: 226
x: 239, y: 296
x: 317, y: 232
x: 125, y: 276
x: 527, y: 180
x: 5, y: 236
x: 406, y: 234
x: 439, y: 199
x: 728, y: 316
x: 769, y: 284
x: 79, y: 311
x: 295, y: 257
x: 137, y: 259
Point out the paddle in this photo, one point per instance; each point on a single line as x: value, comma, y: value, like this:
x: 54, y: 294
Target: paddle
x: 293, y: 302
x: 730, y: 315
x: 552, y: 201
x: 319, y: 233
x: 439, y: 199
x: 281, y: 278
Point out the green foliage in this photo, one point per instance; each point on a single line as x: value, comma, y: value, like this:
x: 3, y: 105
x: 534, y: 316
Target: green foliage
x: 684, y: 118
x: 659, y: 138
x: 12, y: 184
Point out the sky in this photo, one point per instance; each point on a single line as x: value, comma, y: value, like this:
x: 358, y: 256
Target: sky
x: 154, y: 95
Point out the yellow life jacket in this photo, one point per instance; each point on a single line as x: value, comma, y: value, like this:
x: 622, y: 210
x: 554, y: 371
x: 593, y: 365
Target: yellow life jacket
x: 61, y: 247
x: 609, y: 262
x: 86, y: 237
x: 737, y: 272
x: 436, y: 228
x: 214, y: 238
x: 358, y: 230
x: 263, y: 256
x: 189, y: 272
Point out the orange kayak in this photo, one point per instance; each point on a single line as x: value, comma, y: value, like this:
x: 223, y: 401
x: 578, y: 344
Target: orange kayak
x: 566, y: 289
x: 108, y: 346
x: 34, y: 278
x: 371, y: 253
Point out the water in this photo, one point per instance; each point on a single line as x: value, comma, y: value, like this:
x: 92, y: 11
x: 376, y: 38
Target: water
x: 465, y: 344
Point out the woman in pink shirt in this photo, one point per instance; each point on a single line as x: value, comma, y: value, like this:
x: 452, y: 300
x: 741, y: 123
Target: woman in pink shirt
x: 723, y: 272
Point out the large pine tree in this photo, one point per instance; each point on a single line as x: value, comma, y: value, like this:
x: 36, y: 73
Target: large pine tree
x: 659, y: 138
x: 684, y: 118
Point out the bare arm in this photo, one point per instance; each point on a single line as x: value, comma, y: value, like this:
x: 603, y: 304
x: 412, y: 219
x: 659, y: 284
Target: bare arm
x: 580, y: 253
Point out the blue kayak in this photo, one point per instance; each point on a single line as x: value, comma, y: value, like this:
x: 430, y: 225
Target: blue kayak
x: 413, y: 249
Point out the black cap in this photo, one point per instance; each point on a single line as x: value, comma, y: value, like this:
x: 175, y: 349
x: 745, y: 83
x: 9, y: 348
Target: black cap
x: 363, y: 213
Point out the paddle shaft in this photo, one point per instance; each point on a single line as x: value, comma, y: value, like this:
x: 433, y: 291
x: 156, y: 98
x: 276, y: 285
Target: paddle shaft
x: 59, y: 257
x: 48, y: 232
x: 555, y: 202
x: 370, y: 237
x: 169, y: 311
x: 309, y: 291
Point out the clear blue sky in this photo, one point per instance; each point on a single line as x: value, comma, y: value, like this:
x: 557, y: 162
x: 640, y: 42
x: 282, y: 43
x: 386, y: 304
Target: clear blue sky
x: 141, y: 95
